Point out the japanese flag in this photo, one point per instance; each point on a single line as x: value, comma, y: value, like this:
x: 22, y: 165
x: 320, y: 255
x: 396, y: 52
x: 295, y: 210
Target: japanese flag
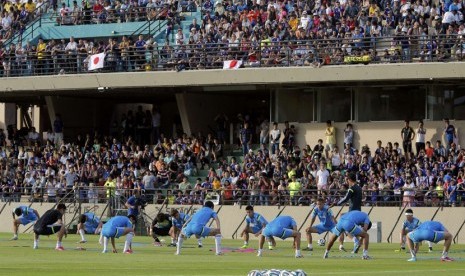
x: 232, y: 64
x: 96, y: 61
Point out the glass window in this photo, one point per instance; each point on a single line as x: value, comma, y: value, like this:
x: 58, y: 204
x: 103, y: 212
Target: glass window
x: 334, y: 104
x: 446, y: 102
x: 295, y: 105
x: 390, y: 103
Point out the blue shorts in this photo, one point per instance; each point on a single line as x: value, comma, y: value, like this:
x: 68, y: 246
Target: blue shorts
x: 90, y: 229
x: 196, y: 229
x: 323, y: 228
x: 277, y: 231
x: 28, y: 219
x: 113, y: 232
x: 346, y: 226
x: 254, y: 229
x: 426, y: 235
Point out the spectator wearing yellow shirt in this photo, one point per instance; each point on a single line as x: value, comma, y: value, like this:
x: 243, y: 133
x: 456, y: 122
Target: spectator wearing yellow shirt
x: 373, y: 11
x: 294, y: 190
x: 293, y: 22
x: 41, y: 46
x: 330, y: 134
x: 110, y: 186
x: 30, y: 6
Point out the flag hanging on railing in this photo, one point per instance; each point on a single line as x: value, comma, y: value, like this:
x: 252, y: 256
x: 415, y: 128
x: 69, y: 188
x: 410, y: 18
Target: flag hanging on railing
x: 232, y: 64
x: 96, y: 61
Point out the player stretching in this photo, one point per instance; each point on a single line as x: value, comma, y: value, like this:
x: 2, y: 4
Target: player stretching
x: 88, y: 223
x: 411, y: 223
x: 177, y: 220
x: 255, y: 223
x: 51, y: 223
x: 25, y: 216
x: 327, y: 222
x: 282, y: 227
x: 351, y: 223
x: 432, y: 231
x: 196, y: 225
x: 116, y: 227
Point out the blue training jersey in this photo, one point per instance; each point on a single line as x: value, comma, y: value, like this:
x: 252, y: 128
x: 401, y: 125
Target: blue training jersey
x: 118, y: 221
x: 92, y: 220
x: 257, y: 220
x: 203, y: 215
x: 325, y: 215
x: 180, y: 221
x: 410, y: 226
x: 132, y: 200
x: 284, y: 222
x: 357, y: 217
x: 432, y: 225
x: 25, y: 210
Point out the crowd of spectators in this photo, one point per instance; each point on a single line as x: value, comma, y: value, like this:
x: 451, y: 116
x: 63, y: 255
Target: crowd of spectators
x: 137, y: 157
x: 260, y: 33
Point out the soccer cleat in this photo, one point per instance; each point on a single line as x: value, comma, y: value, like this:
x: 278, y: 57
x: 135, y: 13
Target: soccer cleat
x: 219, y: 254
x: 172, y: 245
x: 413, y: 259
x: 402, y: 248
x: 447, y: 259
x: 366, y: 257
x: 245, y: 246
x: 430, y: 249
x: 105, y: 251
x: 342, y: 249
x: 325, y: 256
x: 200, y: 246
x: 307, y: 249
x: 15, y: 238
x: 59, y: 248
x: 157, y: 244
x: 299, y: 256
x: 259, y: 254
x: 129, y: 251
x: 82, y: 241
x: 35, y: 247
x: 270, y: 247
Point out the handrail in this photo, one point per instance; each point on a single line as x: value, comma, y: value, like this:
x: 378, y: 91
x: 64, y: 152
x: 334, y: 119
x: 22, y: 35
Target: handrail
x: 4, y: 205
x: 389, y: 238
x: 458, y: 231
x: 234, y: 235
x: 308, y: 215
x: 217, y: 212
x: 437, y: 210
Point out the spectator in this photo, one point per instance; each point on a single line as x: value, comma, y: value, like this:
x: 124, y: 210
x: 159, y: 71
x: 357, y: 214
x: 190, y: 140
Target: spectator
x: 330, y: 134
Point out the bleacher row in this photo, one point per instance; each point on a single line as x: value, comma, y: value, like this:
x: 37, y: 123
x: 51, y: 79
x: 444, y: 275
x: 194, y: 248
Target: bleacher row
x: 268, y: 33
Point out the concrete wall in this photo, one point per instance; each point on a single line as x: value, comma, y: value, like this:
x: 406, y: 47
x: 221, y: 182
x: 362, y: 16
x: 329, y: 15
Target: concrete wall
x: 231, y: 216
x: 426, y: 72
x: 369, y: 132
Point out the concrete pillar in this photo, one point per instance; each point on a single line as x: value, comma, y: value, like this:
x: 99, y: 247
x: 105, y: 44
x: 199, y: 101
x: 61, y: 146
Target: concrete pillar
x: 183, y: 112
x: 7, y: 115
x: 51, y: 109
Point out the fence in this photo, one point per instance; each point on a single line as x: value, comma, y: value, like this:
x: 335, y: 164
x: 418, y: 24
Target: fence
x: 263, y: 53
x: 224, y: 196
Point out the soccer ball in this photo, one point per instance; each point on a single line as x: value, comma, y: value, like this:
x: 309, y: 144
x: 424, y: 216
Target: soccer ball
x: 286, y: 273
x: 272, y: 272
x: 255, y: 273
x: 299, y: 272
x: 321, y: 242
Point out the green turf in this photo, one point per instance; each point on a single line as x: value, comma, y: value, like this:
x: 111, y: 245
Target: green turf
x: 18, y: 258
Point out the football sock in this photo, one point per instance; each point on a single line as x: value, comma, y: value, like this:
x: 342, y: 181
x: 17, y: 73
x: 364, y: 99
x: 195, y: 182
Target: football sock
x: 81, y: 232
x: 127, y: 243
x: 105, y: 243
x: 179, y: 245
x: 218, y: 243
x: 365, y: 252
x: 199, y: 240
x: 412, y: 252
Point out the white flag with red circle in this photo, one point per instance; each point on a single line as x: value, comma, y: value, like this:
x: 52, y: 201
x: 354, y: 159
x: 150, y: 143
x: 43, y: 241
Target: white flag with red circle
x: 232, y: 64
x: 96, y: 61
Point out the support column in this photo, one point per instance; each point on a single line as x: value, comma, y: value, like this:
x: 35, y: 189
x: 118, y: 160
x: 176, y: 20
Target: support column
x: 7, y: 116
x: 183, y: 113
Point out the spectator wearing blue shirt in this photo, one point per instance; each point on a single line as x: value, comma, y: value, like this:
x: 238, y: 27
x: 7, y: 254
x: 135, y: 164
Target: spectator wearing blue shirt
x: 246, y: 138
x: 449, y: 134
x: 58, y: 131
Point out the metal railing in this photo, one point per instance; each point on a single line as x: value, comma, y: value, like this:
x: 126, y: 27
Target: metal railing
x: 266, y: 53
x: 223, y: 196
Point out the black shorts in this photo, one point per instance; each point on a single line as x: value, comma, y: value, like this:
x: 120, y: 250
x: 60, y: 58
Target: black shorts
x: 161, y: 231
x: 48, y: 230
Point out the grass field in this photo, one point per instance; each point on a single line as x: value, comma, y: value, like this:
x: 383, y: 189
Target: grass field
x: 18, y: 258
